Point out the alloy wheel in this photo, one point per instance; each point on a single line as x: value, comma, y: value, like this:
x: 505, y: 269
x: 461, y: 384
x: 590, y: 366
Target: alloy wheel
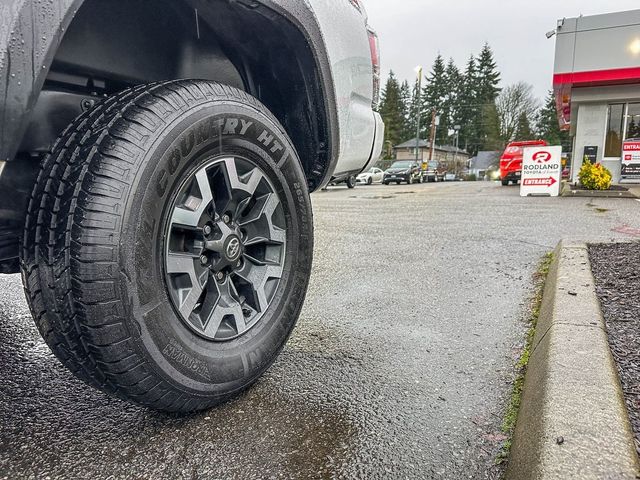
x: 225, y: 248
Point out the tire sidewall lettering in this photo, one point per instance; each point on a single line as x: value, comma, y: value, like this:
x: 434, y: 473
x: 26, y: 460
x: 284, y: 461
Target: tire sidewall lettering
x: 176, y: 347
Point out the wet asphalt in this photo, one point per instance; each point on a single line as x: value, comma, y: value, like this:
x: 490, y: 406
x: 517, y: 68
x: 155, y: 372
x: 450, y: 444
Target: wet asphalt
x: 400, y: 366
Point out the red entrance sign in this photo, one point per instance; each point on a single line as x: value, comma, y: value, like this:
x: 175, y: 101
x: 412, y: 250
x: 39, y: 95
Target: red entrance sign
x: 540, y: 182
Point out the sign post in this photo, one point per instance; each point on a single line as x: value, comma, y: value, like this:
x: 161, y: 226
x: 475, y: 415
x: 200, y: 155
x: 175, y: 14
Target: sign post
x: 631, y: 159
x: 541, y: 171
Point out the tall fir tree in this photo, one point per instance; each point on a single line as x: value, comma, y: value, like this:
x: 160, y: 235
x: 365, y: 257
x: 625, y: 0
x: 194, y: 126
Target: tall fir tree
x: 412, y: 120
x: 392, y: 111
x: 490, y: 122
x: 468, y: 111
x: 434, y: 94
x: 488, y: 76
x: 406, y: 98
x: 449, y: 109
x: 523, y: 130
x: 487, y: 90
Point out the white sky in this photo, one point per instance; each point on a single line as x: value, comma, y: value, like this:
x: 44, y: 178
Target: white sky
x: 412, y: 32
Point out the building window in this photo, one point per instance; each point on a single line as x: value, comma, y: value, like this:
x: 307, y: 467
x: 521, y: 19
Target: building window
x: 632, y: 129
x: 613, y: 143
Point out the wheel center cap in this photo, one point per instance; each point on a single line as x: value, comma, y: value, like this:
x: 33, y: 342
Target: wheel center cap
x: 233, y: 248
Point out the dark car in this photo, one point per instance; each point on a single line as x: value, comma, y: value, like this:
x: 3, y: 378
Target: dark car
x: 406, y: 171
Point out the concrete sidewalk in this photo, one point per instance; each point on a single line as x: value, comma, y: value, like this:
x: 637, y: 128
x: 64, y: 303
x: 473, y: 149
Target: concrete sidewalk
x: 573, y: 422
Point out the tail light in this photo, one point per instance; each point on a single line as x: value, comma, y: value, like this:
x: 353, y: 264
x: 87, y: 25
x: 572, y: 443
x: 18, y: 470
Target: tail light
x: 374, y: 45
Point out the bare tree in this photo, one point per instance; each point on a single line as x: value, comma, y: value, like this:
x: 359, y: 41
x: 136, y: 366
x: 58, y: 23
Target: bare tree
x: 514, y: 103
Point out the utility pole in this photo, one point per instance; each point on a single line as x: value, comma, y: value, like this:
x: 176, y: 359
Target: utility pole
x: 455, y: 158
x: 434, y: 126
x: 419, y: 104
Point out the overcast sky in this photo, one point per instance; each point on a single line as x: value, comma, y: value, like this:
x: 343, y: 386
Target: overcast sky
x: 412, y: 32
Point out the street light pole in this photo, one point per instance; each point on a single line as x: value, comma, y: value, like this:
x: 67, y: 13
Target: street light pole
x: 419, y: 105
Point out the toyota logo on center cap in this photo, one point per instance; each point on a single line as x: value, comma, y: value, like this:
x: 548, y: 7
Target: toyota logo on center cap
x: 541, y: 157
x: 233, y: 248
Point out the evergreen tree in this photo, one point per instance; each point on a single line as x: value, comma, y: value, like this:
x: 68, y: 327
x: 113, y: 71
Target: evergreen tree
x: 523, y: 129
x: 487, y: 90
x: 468, y: 111
x: 412, y: 125
x: 449, y: 109
x: 490, y: 123
x: 406, y: 98
x: 548, y: 127
x: 392, y: 111
x: 488, y: 76
x: 435, y: 94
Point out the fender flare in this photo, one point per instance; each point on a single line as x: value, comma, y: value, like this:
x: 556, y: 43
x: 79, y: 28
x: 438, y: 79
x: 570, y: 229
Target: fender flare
x: 24, y: 66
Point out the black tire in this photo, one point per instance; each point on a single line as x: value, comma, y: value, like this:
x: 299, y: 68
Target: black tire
x: 93, y: 260
x: 351, y: 182
x: 505, y: 183
x: 369, y: 181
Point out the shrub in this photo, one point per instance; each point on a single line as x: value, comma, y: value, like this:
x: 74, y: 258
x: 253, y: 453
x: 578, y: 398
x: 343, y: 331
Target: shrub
x: 593, y: 176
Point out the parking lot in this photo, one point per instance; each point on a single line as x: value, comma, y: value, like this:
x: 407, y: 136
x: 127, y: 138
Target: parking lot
x: 400, y: 366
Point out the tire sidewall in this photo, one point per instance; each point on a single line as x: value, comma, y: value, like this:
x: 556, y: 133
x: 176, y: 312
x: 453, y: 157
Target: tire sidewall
x: 174, y: 351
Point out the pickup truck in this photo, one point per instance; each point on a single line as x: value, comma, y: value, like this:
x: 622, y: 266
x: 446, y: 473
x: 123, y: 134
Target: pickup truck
x: 156, y: 161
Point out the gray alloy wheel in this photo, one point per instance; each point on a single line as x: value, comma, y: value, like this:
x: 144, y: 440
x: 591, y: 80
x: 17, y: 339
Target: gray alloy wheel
x: 225, y: 248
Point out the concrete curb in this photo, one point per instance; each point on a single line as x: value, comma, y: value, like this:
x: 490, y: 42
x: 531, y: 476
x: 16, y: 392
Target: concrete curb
x: 573, y: 422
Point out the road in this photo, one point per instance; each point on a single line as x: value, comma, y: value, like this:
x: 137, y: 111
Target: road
x: 400, y: 366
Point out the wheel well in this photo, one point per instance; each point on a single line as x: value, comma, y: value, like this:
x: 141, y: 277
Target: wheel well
x: 113, y: 44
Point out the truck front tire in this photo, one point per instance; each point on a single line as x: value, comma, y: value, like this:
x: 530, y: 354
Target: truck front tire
x: 168, y: 244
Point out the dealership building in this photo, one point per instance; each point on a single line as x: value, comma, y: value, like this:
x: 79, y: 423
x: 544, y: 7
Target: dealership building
x: 597, y: 86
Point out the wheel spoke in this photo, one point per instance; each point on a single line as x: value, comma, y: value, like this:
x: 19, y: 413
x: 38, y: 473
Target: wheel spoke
x: 187, y: 296
x: 190, y: 214
x: 257, y: 276
x: 263, y: 210
x: 227, y: 305
x: 185, y: 217
x: 247, y: 183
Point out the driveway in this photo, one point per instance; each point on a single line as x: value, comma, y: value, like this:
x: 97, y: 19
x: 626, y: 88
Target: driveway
x: 400, y: 366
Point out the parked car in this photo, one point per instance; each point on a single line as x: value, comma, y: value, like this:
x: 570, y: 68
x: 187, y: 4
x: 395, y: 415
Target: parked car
x: 450, y: 177
x: 511, y: 160
x: 434, y: 172
x: 404, y: 171
x: 375, y: 175
x: 155, y: 182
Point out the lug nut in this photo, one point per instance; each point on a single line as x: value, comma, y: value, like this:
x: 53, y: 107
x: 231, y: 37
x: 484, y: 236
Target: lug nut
x: 204, y: 260
x: 207, y: 230
x: 226, y: 218
x: 220, y: 276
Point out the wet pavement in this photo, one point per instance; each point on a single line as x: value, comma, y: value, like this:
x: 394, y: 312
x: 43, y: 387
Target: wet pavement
x: 400, y: 366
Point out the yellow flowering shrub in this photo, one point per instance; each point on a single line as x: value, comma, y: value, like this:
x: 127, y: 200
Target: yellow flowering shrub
x: 593, y: 176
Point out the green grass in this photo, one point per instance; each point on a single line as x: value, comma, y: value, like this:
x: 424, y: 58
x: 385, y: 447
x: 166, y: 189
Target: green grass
x: 511, y: 415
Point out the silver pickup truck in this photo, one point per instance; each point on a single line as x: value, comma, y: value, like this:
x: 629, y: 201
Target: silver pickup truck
x: 156, y: 161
